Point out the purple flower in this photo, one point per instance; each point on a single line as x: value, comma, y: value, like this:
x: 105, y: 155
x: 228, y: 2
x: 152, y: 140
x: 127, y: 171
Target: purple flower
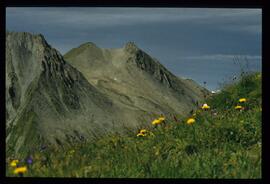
x: 29, y: 160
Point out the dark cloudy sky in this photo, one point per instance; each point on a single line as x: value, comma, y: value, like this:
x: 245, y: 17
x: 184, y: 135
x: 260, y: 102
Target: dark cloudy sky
x: 197, y: 43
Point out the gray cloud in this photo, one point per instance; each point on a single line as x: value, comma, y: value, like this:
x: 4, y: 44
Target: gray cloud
x: 188, y: 41
x: 222, y: 57
x: 105, y: 17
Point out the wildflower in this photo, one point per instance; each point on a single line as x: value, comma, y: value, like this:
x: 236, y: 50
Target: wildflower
x: 141, y: 135
x: 20, y: 170
x: 238, y: 107
x: 156, y: 122
x: 162, y: 118
x: 159, y: 120
x: 143, y: 131
x: 14, y: 163
x: 242, y: 100
x: 190, y: 121
x: 29, y: 160
x: 205, y: 106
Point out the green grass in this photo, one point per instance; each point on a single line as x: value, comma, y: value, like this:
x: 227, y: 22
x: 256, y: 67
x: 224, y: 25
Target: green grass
x: 222, y: 143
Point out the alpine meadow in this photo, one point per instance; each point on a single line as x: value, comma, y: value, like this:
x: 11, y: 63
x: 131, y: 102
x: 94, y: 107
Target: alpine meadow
x: 119, y: 112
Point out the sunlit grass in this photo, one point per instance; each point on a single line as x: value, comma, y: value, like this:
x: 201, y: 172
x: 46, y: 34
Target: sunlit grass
x: 217, y: 142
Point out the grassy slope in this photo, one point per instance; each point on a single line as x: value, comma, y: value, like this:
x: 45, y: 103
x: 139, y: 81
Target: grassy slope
x: 222, y: 143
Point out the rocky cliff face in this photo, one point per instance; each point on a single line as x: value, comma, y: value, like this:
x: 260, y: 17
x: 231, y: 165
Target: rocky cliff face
x: 160, y: 73
x: 46, y: 98
x: 51, y: 100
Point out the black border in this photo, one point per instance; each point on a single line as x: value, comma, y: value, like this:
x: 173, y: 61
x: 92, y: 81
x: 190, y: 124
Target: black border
x: 140, y: 3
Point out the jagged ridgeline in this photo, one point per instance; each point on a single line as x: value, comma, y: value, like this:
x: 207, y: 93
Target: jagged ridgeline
x: 51, y: 100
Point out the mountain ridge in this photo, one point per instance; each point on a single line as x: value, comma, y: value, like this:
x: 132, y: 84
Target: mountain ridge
x: 50, y: 100
x: 133, y: 55
x: 54, y: 94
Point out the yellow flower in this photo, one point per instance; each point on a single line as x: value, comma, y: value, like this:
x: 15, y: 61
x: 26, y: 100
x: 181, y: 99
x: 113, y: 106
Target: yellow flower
x: 161, y: 119
x: 14, y: 163
x: 190, y: 121
x: 20, y: 170
x: 156, y: 121
x: 238, y: 107
x: 242, y: 100
x: 143, y: 131
x: 141, y: 135
x: 205, y: 106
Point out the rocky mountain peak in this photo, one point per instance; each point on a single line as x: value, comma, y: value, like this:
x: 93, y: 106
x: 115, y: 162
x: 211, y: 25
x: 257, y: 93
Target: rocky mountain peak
x: 88, y: 47
x: 27, y: 37
x: 131, y: 47
x: 89, y: 44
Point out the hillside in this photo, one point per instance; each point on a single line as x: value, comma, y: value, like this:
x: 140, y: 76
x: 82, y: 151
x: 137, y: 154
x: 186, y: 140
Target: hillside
x: 52, y: 102
x: 223, y: 142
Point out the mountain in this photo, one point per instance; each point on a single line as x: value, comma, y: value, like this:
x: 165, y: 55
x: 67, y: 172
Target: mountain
x: 134, y: 80
x: 46, y: 98
x: 51, y: 100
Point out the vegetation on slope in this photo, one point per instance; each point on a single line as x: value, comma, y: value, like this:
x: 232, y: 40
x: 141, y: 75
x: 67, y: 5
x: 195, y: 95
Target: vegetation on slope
x: 223, y: 142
